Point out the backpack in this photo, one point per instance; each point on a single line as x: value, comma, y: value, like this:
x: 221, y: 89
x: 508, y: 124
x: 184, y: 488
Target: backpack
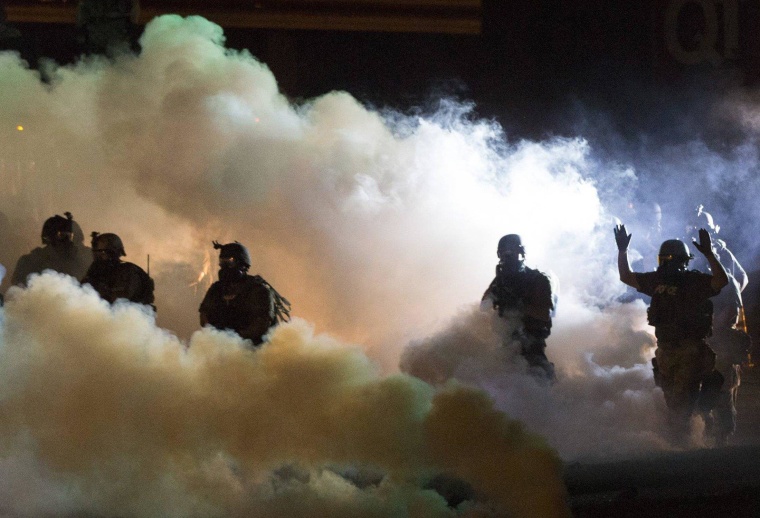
x: 281, y: 304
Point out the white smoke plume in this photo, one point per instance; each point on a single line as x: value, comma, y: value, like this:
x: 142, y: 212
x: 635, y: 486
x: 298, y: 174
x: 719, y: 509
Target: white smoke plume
x: 604, y: 404
x: 356, y: 219
x: 104, y: 413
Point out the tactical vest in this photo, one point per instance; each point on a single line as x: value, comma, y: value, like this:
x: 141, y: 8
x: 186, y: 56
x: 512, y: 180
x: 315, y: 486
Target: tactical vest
x: 511, y: 290
x: 675, y: 317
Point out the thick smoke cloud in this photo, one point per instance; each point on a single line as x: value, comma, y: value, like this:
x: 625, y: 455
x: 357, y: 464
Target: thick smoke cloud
x: 105, y: 413
x: 380, y: 228
x: 374, y: 228
x: 604, y: 404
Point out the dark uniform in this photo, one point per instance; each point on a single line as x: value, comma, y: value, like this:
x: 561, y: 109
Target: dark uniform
x: 113, y: 278
x: 60, y: 253
x: 120, y: 280
x: 681, y: 313
x: 526, y: 294
x: 245, y: 307
x: 70, y: 261
x: 246, y: 304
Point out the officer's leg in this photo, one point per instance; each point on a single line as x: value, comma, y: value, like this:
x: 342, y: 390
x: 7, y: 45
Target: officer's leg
x: 710, y: 391
x: 725, y: 410
x: 533, y: 350
x: 712, y: 399
x: 681, y: 369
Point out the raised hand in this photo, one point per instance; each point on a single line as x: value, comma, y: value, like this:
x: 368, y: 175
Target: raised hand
x: 622, y: 237
x: 705, y: 243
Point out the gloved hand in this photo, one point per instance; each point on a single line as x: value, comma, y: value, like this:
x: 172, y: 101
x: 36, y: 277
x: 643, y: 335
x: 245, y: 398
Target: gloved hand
x: 705, y: 243
x: 622, y: 237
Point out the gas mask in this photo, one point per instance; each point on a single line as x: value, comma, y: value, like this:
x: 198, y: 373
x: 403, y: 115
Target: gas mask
x: 103, y: 267
x: 62, y: 239
x: 229, y: 270
x: 510, y: 262
x: 671, y: 269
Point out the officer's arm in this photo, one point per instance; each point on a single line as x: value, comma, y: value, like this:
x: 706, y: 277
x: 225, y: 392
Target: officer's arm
x: 623, y: 238
x: 20, y: 272
x: 627, y: 275
x: 203, y: 310
x: 489, y: 297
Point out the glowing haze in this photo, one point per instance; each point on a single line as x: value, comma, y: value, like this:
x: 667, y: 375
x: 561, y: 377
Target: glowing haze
x: 380, y: 229
x: 105, y: 413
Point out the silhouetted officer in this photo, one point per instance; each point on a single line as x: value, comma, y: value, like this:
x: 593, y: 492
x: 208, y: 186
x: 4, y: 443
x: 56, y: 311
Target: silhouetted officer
x: 243, y: 303
x: 113, y: 278
x: 60, y: 253
x: 681, y: 312
x: 527, y: 294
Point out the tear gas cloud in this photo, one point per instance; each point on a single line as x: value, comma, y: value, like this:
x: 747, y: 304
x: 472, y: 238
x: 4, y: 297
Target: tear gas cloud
x: 369, y: 225
x: 380, y: 228
x: 105, y: 413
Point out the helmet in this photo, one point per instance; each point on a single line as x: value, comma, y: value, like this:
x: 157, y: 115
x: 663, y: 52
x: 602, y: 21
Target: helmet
x: 674, y: 249
x: 235, y: 251
x: 510, y: 242
x: 109, y: 242
x: 55, y: 224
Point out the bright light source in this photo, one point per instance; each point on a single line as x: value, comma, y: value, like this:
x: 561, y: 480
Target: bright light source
x: 20, y: 128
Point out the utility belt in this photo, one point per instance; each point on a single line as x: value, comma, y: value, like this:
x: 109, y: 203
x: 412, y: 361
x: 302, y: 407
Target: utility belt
x: 675, y: 336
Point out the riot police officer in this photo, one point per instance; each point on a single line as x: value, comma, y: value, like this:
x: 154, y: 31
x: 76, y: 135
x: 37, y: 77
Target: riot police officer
x: 526, y: 294
x: 59, y: 252
x: 113, y: 278
x: 681, y: 314
x: 240, y: 302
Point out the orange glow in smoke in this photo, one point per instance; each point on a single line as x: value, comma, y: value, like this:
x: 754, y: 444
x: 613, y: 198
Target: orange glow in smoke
x: 204, y: 279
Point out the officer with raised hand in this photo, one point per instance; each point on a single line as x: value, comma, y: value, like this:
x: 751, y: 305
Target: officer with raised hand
x: 681, y: 314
